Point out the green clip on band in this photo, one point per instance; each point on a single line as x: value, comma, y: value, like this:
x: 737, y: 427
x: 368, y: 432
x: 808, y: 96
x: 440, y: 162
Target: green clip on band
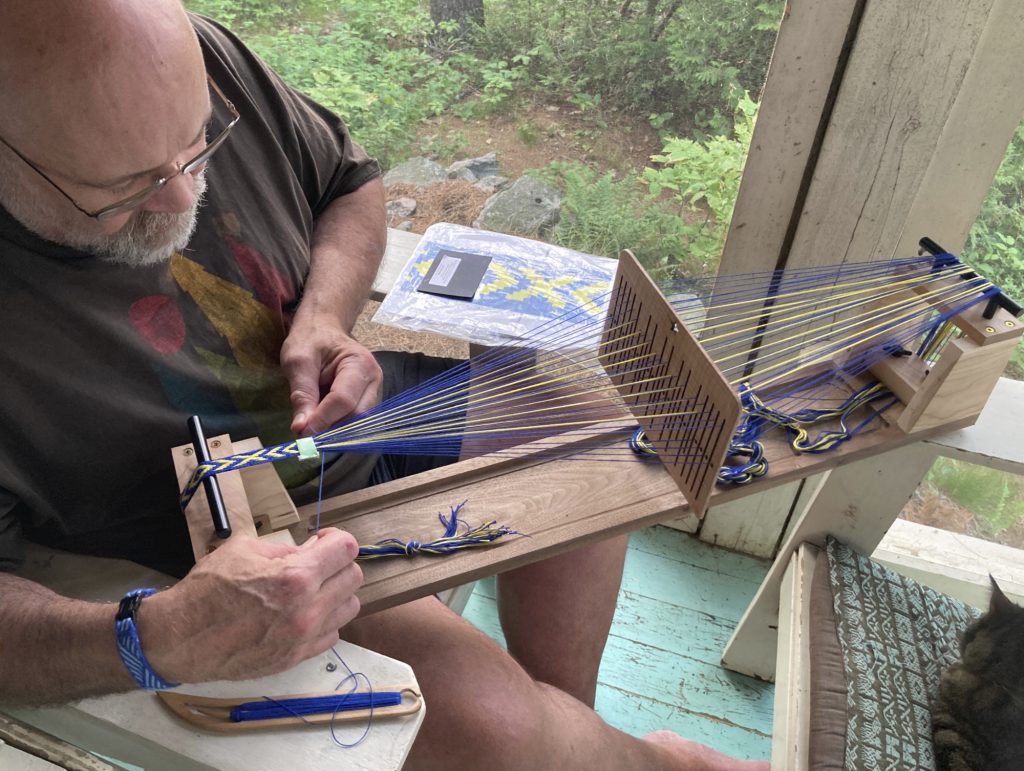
x: 307, y: 448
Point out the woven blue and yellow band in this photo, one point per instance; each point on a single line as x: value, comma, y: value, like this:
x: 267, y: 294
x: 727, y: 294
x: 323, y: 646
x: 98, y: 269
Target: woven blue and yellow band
x: 129, y: 648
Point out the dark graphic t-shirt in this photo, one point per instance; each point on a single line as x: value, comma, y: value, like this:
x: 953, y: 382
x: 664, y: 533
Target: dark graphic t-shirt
x: 101, y: 364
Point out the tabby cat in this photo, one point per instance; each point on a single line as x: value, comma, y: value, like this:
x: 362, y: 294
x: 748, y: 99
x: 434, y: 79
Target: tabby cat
x: 978, y: 716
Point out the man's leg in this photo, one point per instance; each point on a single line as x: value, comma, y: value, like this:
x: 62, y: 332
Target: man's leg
x: 485, y: 712
x: 556, y: 614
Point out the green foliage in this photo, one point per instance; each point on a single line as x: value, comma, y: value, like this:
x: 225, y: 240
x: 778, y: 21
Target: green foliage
x: 366, y: 61
x: 247, y: 16
x: 674, y: 216
x: 444, y: 149
x: 996, y: 242
x: 379, y: 63
x: 703, y: 178
x: 603, y: 216
x: 995, y: 245
x: 996, y: 498
x: 497, y: 81
x: 640, y: 57
x: 527, y: 134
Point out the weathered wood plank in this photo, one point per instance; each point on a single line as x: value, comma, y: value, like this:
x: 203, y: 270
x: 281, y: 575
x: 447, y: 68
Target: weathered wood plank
x: 693, y: 685
x: 856, y: 503
x: 25, y: 747
x: 790, y: 722
x: 751, y: 525
x: 636, y: 714
x: 803, y: 77
x: 952, y: 563
x: 399, y: 249
x: 996, y: 440
x: 691, y: 590
x: 907, y: 68
x: 972, y: 144
x: 666, y: 542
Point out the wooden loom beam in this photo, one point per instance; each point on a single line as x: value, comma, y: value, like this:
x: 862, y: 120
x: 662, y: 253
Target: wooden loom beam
x: 561, y: 503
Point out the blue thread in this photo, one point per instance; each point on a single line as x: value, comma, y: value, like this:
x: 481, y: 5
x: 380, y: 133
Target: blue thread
x: 320, y: 493
x: 354, y: 677
x: 353, y: 699
x: 436, y: 424
x: 272, y: 708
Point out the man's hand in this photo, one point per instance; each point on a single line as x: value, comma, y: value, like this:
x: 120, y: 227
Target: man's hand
x: 252, y: 608
x: 331, y: 375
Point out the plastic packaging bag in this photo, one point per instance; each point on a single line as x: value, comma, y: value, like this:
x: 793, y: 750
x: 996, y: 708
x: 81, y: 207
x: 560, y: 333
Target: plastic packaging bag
x: 527, y: 283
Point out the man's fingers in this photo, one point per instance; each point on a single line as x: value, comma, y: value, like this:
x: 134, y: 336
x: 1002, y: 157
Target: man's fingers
x: 330, y: 552
x: 355, y: 388
x: 303, y: 407
x: 303, y: 375
x: 342, y: 585
x: 338, y: 601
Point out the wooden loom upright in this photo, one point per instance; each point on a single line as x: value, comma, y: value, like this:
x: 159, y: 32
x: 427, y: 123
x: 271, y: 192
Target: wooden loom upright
x: 562, y: 503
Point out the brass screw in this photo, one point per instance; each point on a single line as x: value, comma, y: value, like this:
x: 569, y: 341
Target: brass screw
x: 188, y: 451
x: 990, y: 330
x: 1009, y: 323
x: 215, y: 443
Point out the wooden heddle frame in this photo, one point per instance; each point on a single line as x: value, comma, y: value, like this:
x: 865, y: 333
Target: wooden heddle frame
x: 561, y: 503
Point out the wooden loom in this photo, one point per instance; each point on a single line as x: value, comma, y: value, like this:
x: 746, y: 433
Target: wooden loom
x: 563, y: 503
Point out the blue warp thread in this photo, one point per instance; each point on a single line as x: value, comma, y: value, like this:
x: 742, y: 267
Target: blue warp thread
x: 271, y: 708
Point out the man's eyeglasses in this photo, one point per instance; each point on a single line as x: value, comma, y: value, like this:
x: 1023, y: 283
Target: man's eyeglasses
x: 136, y: 199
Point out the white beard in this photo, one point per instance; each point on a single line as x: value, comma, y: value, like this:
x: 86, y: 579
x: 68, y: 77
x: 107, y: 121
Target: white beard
x: 147, y: 239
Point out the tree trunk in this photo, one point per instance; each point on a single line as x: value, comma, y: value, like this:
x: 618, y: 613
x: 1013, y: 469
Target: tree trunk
x: 464, y: 12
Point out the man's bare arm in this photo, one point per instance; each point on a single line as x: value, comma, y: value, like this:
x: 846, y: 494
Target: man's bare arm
x: 332, y: 375
x: 349, y: 240
x: 248, y: 609
x: 53, y: 648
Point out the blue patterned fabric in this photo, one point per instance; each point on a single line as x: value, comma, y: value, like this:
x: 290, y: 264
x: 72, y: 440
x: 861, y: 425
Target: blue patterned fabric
x: 896, y: 637
x: 129, y: 648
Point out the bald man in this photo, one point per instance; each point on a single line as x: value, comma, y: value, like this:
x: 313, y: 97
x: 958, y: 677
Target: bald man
x: 182, y: 233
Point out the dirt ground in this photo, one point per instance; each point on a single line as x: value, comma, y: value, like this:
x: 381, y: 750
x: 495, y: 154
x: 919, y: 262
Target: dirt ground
x: 378, y: 337
x: 929, y: 507
x: 532, y: 135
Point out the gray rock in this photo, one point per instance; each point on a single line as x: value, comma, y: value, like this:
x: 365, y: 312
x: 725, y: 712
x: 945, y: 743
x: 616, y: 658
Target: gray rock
x: 401, y: 207
x: 421, y: 172
x: 529, y: 207
x: 491, y: 184
x: 478, y: 168
x: 406, y: 225
x: 464, y: 173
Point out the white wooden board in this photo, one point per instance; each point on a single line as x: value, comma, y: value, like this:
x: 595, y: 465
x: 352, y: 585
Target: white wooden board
x: 952, y: 563
x: 136, y: 728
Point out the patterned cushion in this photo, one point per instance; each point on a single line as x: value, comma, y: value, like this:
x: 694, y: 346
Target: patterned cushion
x: 896, y: 637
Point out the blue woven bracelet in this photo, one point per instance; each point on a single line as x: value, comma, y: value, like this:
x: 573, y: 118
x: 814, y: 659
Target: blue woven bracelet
x: 128, y: 646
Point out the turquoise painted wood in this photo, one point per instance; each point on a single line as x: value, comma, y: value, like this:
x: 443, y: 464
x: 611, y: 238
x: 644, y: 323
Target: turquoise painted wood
x: 679, y: 602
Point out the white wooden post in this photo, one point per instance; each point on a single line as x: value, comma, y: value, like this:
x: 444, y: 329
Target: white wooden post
x: 880, y: 122
x: 856, y: 503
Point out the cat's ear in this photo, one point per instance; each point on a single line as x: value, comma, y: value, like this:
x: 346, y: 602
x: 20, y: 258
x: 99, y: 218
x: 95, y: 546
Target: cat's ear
x: 999, y: 603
